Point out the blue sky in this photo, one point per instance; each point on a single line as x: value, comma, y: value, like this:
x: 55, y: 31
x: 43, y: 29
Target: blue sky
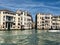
x: 33, y: 6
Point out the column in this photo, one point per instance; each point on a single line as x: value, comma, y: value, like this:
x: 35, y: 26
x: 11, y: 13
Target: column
x: 1, y: 19
x: 16, y: 21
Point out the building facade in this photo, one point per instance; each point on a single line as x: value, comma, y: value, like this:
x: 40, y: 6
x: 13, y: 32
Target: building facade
x: 9, y: 20
x: 56, y: 22
x: 25, y: 20
x: 43, y: 21
x: 14, y: 20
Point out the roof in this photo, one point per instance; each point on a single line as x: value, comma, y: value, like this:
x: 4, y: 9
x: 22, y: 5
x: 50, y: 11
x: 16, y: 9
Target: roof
x: 20, y: 11
x: 56, y: 16
x: 7, y: 11
x: 44, y: 13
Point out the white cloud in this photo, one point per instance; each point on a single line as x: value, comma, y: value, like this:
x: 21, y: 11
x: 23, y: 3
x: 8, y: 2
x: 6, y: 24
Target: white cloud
x: 28, y: 5
x: 9, y: 4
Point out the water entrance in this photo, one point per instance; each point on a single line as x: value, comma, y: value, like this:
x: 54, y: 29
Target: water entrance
x: 8, y: 25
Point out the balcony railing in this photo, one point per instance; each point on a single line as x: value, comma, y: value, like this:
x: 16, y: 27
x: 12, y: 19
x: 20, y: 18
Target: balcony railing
x: 9, y: 21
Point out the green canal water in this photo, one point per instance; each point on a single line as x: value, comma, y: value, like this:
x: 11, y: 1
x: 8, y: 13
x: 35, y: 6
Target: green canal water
x: 29, y: 37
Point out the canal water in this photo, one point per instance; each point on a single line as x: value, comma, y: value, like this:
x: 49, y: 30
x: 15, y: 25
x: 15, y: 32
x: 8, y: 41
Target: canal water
x: 29, y: 37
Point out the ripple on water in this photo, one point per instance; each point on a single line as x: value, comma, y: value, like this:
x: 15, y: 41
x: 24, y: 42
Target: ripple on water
x: 29, y: 37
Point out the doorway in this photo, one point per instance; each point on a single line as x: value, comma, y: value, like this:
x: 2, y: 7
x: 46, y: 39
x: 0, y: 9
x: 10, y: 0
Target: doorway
x: 8, y: 25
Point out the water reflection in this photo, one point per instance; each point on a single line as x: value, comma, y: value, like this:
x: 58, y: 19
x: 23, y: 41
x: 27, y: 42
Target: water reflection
x: 29, y: 37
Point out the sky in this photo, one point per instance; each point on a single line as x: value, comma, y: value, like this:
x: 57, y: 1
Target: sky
x: 32, y: 6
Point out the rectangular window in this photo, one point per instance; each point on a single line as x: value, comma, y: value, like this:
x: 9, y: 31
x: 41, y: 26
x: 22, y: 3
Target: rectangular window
x: 3, y: 26
x: 28, y: 19
x: 42, y: 18
x: 13, y: 23
x: 54, y: 19
x: 46, y: 21
x: 47, y: 17
x: 3, y: 18
x: 18, y: 19
x: 42, y: 21
x: 42, y: 24
x: 18, y: 23
x: 18, y: 14
x: 54, y: 23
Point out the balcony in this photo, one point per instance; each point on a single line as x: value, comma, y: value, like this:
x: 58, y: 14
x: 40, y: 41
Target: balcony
x: 9, y: 20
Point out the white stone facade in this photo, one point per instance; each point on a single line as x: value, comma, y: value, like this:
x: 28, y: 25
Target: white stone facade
x: 43, y: 21
x: 47, y: 21
x: 13, y: 20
